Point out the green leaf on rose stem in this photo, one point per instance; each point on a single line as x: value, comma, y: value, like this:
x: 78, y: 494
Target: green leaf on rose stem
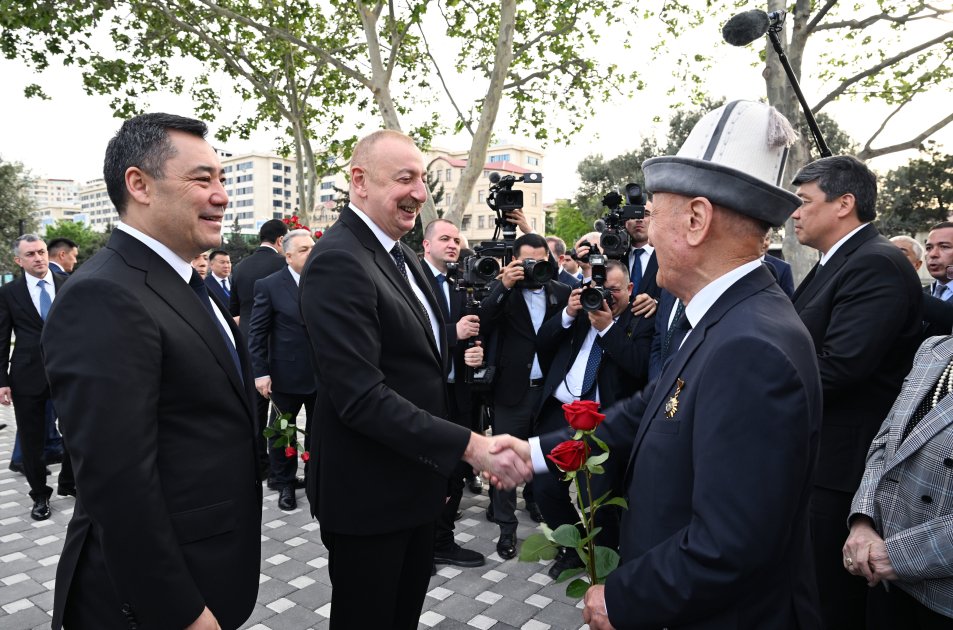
x: 569, y: 574
x: 618, y: 501
x: 596, y: 460
x: 597, y: 470
x: 591, y: 536
x: 599, y: 501
x: 569, y: 476
x: 566, y: 536
x: 537, y: 547
x: 606, y: 561
x: 547, y: 531
x: 578, y: 434
x: 268, y: 432
x: 280, y: 442
x: 599, y: 443
x: 282, y: 423
x: 577, y: 589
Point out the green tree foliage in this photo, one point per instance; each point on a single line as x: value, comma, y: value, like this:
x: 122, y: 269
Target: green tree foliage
x: 569, y: 222
x: 917, y: 195
x: 237, y: 244
x: 15, y: 207
x: 86, y: 238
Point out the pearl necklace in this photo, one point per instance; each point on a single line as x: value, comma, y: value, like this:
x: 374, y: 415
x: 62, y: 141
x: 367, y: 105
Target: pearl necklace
x: 947, y: 376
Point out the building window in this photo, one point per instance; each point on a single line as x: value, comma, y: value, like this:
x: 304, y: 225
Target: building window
x: 276, y: 166
x: 449, y: 171
x: 287, y: 169
x: 532, y: 161
x: 327, y: 185
x: 277, y: 215
x: 276, y: 179
x: 287, y: 181
x: 481, y: 196
x: 503, y: 157
x: 481, y: 222
x: 244, y: 166
x: 447, y: 199
x: 465, y: 223
x: 276, y: 191
x: 287, y: 205
x: 243, y: 178
x: 277, y: 203
x: 534, y: 199
x: 533, y: 223
x: 327, y: 197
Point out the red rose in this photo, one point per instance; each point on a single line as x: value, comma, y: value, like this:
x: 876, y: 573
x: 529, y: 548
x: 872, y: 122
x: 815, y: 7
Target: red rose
x: 583, y: 415
x: 290, y: 451
x: 569, y: 455
x: 305, y: 456
x: 318, y: 234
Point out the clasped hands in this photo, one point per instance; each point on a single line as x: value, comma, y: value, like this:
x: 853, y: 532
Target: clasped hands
x: 865, y: 553
x: 503, y: 459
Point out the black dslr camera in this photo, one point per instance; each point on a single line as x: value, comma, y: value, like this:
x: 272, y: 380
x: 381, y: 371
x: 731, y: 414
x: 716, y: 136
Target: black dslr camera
x: 593, y: 295
x: 615, y: 239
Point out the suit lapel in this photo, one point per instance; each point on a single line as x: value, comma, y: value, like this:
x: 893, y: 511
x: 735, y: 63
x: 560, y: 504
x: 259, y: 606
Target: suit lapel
x: 289, y: 285
x: 22, y: 295
x: 819, y: 277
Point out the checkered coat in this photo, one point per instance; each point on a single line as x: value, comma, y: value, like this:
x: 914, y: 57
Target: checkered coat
x: 907, y: 489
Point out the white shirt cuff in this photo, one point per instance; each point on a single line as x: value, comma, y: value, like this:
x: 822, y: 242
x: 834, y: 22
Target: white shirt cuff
x: 539, y: 460
x: 606, y: 329
x: 567, y: 318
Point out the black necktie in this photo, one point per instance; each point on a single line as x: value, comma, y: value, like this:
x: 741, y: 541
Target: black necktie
x: 441, y: 282
x: 198, y: 285
x: 225, y: 289
x: 670, y: 343
x: 678, y: 331
x: 635, y: 275
x: 398, y: 255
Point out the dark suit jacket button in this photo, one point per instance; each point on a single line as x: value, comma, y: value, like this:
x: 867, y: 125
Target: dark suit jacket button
x: 926, y: 498
x: 948, y: 462
x: 126, y: 609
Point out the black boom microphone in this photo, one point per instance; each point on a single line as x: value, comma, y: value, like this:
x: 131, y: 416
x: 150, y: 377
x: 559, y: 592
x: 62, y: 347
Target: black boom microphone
x: 744, y: 28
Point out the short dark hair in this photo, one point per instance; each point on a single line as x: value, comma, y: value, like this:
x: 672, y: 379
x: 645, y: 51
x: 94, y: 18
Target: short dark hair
x: 143, y: 142
x: 559, y: 245
x: 58, y: 244
x: 428, y: 230
x: 842, y: 174
x: 271, y: 230
x: 942, y: 225
x: 534, y: 241
x: 217, y: 252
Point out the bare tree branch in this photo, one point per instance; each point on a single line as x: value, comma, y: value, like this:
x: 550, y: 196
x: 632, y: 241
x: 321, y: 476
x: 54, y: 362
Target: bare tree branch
x: 819, y: 16
x: 913, y: 143
x: 886, y: 63
x: 463, y: 119
x: 883, y: 125
x: 914, y: 15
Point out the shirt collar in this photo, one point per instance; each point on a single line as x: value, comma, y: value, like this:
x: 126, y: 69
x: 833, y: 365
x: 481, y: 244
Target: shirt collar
x: 217, y: 279
x: 31, y: 281
x: 295, y: 275
x: 386, y: 241
x: 182, y: 267
x: 648, y: 249
x: 833, y: 250
x: 436, y: 272
x: 706, y: 298
x: 269, y: 246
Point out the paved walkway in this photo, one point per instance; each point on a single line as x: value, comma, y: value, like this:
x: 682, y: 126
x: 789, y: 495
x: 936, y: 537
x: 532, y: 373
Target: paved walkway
x: 295, y: 590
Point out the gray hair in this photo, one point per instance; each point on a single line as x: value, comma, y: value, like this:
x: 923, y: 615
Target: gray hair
x: 293, y: 234
x: 29, y: 238
x: 912, y: 242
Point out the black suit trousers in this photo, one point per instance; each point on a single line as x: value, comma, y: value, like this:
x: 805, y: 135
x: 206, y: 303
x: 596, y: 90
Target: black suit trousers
x: 515, y: 420
x: 396, y: 584
x: 283, y: 469
x: 30, y: 412
x: 443, y: 536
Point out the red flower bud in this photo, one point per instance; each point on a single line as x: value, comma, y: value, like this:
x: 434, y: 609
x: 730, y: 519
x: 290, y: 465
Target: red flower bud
x: 290, y: 451
x: 305, y: 456
x: 318, y: 234
x: 569, y: 455
x: 583, y: 415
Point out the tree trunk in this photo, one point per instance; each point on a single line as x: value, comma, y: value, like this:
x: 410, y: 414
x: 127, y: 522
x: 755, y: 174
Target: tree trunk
x: 491, y: 107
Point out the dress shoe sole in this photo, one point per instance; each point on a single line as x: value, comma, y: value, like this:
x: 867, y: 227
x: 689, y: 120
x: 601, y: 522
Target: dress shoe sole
x: 66, y: 493
x: 460, y: 563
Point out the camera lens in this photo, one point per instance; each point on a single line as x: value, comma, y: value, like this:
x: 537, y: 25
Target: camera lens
x: 540, y: 271
x: 591, y: 299
x: 487, y: 268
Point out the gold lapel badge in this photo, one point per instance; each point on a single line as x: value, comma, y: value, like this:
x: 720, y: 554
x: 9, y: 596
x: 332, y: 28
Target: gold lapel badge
x: 672, y: 405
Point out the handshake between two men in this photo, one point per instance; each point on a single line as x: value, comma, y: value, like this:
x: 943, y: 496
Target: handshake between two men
x: 504, y: 460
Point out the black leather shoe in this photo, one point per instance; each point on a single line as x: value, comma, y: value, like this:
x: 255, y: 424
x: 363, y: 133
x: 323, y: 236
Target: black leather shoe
x: 566, y: 559
x: 299, y: 484
x: 66, y: 491
x: 475, y: 484
x: 41, y: 509
x: 458, y: 515
x: 534, y: 513
x: 457, y: 555
x: 17, y: 467
x: 286, y: 499
x: 506, y: 546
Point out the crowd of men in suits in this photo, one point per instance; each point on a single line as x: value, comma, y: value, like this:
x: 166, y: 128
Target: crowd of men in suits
x: 780, y: 471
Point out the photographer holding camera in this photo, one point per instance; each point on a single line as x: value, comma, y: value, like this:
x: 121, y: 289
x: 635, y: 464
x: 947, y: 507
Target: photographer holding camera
x: 514, y: 310
x: 600, y: 352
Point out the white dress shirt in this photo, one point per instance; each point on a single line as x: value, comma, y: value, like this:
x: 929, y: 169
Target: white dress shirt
x: 536, y: 303
x: 32, y: 285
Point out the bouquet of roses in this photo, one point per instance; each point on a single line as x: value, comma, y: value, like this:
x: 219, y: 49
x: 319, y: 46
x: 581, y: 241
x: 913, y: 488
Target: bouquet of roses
x: 294, y: 223
x: 574, y: 458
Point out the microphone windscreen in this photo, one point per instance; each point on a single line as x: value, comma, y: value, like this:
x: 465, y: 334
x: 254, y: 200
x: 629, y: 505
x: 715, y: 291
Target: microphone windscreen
x: 495, y: 177
x: 599, y: 225
x: 746, y: 27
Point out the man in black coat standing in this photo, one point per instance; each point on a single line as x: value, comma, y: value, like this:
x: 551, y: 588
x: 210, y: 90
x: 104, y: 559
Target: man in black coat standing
x: 156, y: 403
x: 376, y: 335
x: 861, y: 305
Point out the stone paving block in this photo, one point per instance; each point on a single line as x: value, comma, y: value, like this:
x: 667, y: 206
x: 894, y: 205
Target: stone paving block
x: 31, y: 617
x: 273, y: 589
x: 460, y: 608
x: 294, y: 618
x: 560, y: 615
x: 510, y: 611
x: 311, y: 597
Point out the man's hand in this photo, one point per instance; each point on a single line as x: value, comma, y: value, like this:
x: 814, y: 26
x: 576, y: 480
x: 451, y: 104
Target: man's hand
x: 594, y: 612
x: 582, y: 251
x: 263, y: 385
x: 602, y: 318
x: 512, y: 273
x: 645, y: 305
x: 206, y: 621
x: 473, y: 357
x: 517, y: 218
x: 468, y: 326
x: 574, y: 306
x: 865, y: 553
x: 503, y: 458
x: 6, y: 396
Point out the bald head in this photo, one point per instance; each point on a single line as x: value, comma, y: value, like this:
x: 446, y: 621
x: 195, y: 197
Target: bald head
x: 364, y: 151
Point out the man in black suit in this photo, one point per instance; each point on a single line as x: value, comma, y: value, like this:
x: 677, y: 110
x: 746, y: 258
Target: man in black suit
x: 218, y: 279
x: 156, y: 403
x: 376, y: 334
x: 557, y: 247
x: 262, y: 262
x: 512, y: 313
x: 938, y: 296
x: 24, y: 306
x: 63, y: 253
x: 861, y: 304
x: 599, y: 355
x: 640, y: 260
x: 441, y: 246
x: 281, y: 359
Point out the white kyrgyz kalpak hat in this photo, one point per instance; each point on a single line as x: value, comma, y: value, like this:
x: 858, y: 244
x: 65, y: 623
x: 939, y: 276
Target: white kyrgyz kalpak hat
x: 735, y: 157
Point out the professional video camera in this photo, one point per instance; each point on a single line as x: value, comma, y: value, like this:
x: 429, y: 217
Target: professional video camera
x: 472, y: 275
x: 593, y: 295
x: 615, y: 238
